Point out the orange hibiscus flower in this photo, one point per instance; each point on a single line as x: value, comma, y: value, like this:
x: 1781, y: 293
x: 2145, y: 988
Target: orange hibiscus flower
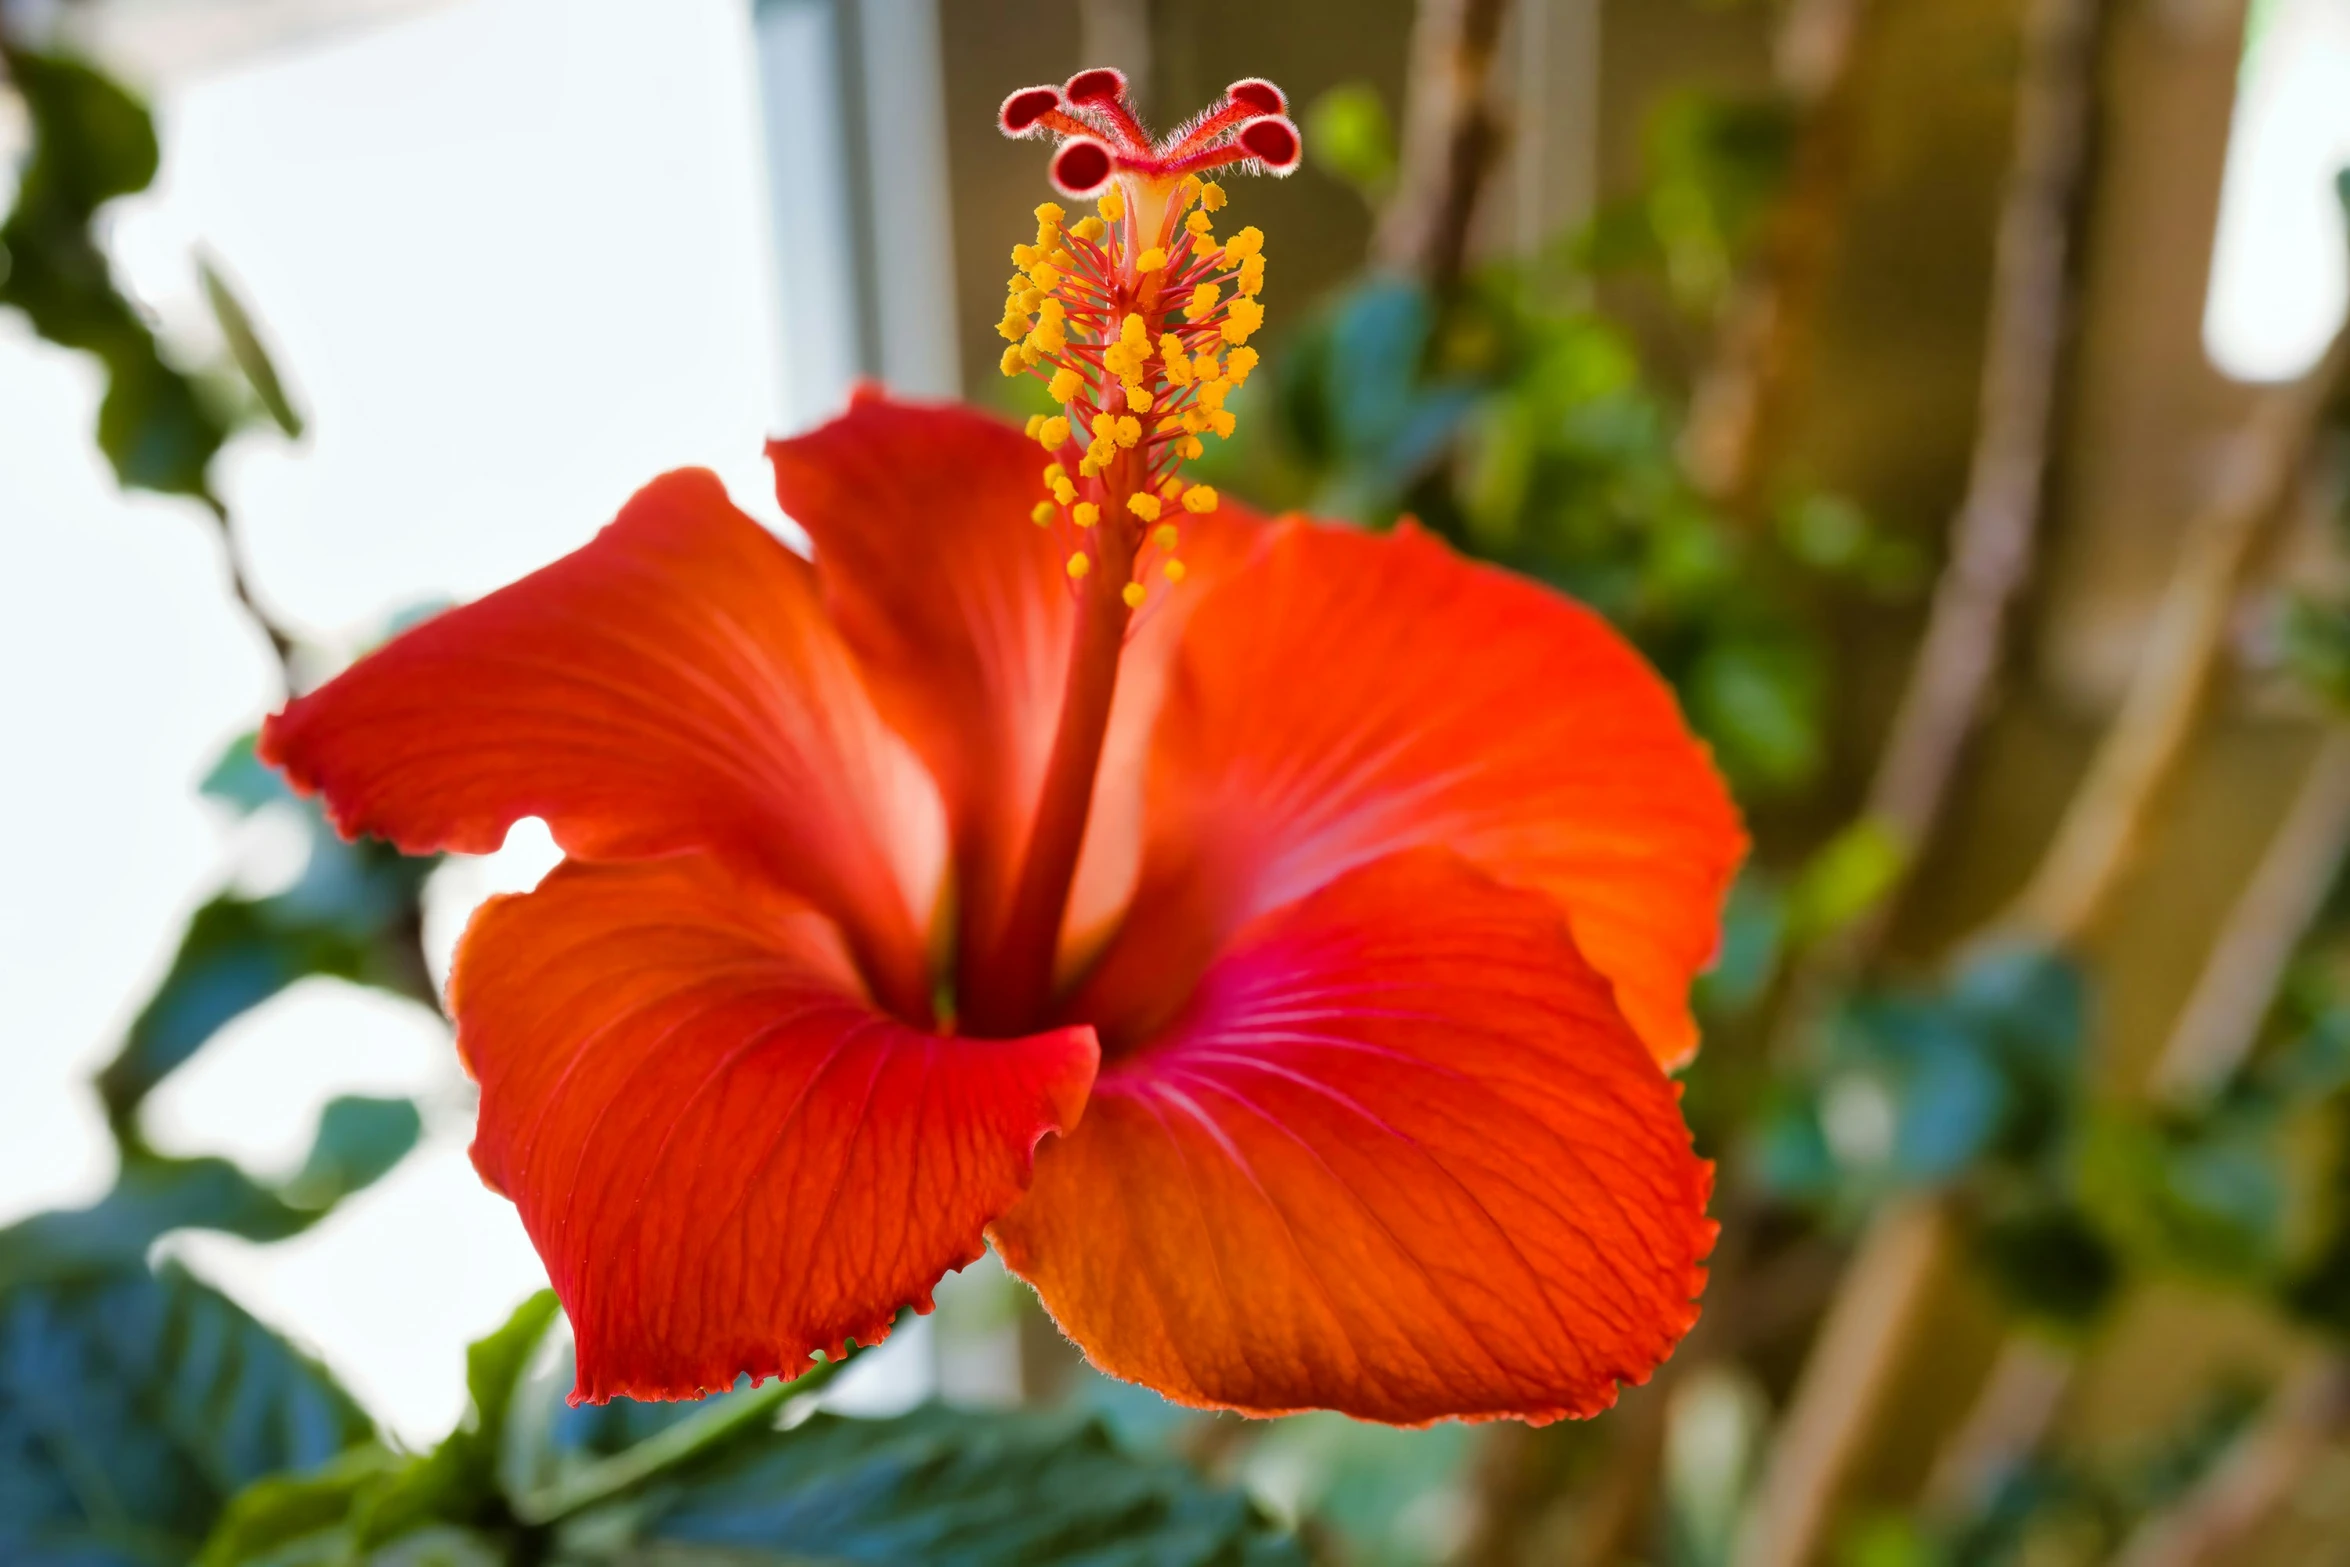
x: 1273, y: 936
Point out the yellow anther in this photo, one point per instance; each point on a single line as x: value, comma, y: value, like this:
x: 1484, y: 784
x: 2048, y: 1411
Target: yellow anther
x: 1079, y: 565
x: 1031, y: 299
x: 1213, y: 393
x: 1164, y: 535
x: 1167, y: 422
x: 1042, y: 514
x: 1012, y: 363
x: 1014, y: 326
x: 1193, y: 447
x: 1188, y: 190
x: 1238, y: 363
x: 1031, y: 354
x: 1244, y: 317
x: 1090, y: 229
x: 1144, y: 506
x: 1050, y: 337
x: 1133, y: 593
x: 1099, y: 455
x: 1113, y: 204
x: 1172, y: 571
x: 1087, y: 467
x: 1066, y: 384
x: 1045, y: 276
x: 1211, y: 196
x: 1199, y: 223
x: 1177, y: 361
x: 1151, y: 260
x: 1054, y: 473
x: 1035, y: 423
x: 1063, y: 260
x: 1026, y: 256
x: 1199, y: 500
x: 1049, y: 212
x: 1104, y: 424
x: 1204, y: 368
x: 1064, y: 491
x: 1248, y: 242
x: 1222, y: 422
x: 1085, y: 514
x: 1203, y: 303
x: 1129, y: 430
x: 1172, y: 489
x: 1135, y: 330
x: 1136, y: 398
x: 1252, y: 277
x: 1053, y: 433
x: 1194, y: 421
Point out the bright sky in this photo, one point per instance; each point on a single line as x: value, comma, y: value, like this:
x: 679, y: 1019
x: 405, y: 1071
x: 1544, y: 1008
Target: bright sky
x: 2281, y: 264
x: 513, y: 257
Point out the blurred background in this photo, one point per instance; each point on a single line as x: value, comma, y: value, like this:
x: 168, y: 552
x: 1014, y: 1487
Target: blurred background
x: 1947, y: 394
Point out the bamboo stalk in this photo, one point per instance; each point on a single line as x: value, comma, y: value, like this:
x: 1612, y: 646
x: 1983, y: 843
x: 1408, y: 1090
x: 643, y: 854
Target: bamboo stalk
x: 2100, y: 832
x: 2259, y: 1474
x: 1994, y: 537
x: 2077, y: 880
x: 2221, y: 1020
x: 1737, y: 409
x: 2214, y: 1033
x: 1451, y: 141
x: 1863, y: 1338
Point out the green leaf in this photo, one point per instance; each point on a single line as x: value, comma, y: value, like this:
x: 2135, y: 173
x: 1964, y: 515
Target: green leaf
x: 1760, y: 702
x: 275, y: 1512
x: 978, y: 1489
x: 353, y: 914
x: 1845, y: 880
x: 233, y: 956
x: 244, y: 345
x: 358, y: 1140
x: 1348, y: 135
x: 2207, y: 1200
x: 458, y: 1483
x: 134, y: 1404
x: 93, y: 142
x: 2050, y: 1261
x: 723, y: 1480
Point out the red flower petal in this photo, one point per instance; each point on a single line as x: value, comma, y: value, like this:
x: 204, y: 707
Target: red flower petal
x: 726, y: 1156
x: 1401, y: 1157
x: 1347, y: 695
x: 673, y: 685
x: 958, y: 606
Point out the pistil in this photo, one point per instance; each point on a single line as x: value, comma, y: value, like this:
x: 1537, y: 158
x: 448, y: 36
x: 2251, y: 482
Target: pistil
x: 1011, y: 991
x: 1126, y: 318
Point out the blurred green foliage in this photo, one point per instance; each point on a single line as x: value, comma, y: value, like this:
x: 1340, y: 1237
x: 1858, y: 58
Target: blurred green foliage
x: 1517, y: 420
x: 92, y: 143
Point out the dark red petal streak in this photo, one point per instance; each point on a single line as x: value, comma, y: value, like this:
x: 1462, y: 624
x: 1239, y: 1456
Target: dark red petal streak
x: 673, y: 685
x: 958, y: 607
x: 726, y: 1156
x: 1347, y: 695
x: 1401, y: 1157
